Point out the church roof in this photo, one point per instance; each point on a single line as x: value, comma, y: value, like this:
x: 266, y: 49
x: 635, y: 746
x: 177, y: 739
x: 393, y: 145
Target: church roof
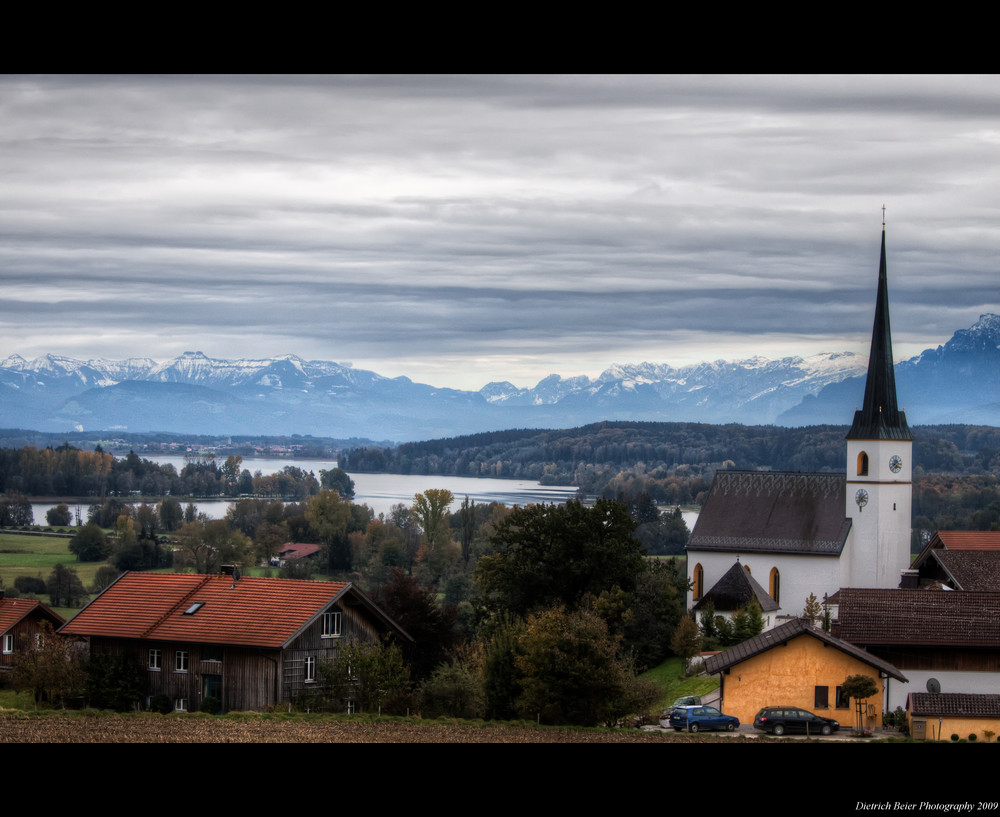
x: 734, y: 592
x: 773, y: 512
x: 879, y: 418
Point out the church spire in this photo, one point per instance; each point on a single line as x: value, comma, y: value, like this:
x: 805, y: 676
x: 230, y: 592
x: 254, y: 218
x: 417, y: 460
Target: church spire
x: 879, y: 417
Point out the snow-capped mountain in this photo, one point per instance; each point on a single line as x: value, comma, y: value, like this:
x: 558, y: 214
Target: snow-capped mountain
x: 193, y: 393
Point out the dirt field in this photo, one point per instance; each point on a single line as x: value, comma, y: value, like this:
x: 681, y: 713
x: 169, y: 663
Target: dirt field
x: 21, y: 728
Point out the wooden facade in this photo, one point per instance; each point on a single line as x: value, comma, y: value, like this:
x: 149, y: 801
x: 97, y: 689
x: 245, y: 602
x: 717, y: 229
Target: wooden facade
x: 20, y: 620
x: 255, y: 644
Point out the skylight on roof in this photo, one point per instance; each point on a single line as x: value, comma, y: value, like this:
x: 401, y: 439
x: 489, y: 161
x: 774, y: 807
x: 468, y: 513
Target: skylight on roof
x: 194, y: 608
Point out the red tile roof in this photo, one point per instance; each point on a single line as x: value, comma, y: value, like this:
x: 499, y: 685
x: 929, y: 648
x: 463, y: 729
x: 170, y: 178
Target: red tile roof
x: 970, y: 539
x: 297, y: 550
x: 252, y: 611
x: 13, y: 610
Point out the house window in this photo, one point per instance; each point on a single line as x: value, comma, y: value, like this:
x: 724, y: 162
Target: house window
x: 8, y: 643
x: 155, y: 660
x: 180, y: 705
x: 331, y: 625
x: 181, y: 661
x: 862, y: 464
x: 698, y: 580
x: 310, y: 669
x: 352, y: 707
x: 775, y: 584
x: 211, y: 653
x: 842, y: 702
x: 822, y: 698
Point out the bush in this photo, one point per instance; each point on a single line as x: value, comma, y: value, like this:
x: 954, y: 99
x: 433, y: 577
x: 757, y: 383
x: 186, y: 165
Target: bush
x: 162, y: 704
x: 211, y: 705
x: 972, y: 737
x: 30, y: 584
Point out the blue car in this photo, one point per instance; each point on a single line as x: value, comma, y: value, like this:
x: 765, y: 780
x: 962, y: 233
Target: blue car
x: 698, y: 718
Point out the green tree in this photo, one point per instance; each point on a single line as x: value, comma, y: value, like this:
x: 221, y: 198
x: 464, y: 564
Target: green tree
x: 337, y: 479
x: 330, y: 518
x: 813, y: 611
x: 114, y: 682
x: 571, y: 672
x: 89, y: 544
x: 59, y: 516
x: 546, y: 555
x: 65, y: 588
x: 368, y: 673
x: 455, y: 689
x: 686, y: 641
x: 859, y: 688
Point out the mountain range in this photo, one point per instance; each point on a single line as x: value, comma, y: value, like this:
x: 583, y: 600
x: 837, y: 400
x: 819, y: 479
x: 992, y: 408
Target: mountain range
x: 958, y: 382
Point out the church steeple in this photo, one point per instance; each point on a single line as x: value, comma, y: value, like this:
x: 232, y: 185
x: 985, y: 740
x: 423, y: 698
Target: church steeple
x: 879, y: 417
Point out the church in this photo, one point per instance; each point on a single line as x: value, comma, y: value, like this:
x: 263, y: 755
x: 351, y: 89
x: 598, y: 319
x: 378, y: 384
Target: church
x: 793, y: 534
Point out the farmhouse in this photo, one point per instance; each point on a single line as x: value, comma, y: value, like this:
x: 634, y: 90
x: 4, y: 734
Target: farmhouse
x: 800, y: 534
x: 21, y: 619
x: 960, y: 560
x: 250, y: 642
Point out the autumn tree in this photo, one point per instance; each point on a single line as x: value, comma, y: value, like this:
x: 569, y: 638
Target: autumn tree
x: 48, y: 666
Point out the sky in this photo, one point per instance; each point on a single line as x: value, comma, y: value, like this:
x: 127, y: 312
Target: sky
x: 466, y: 229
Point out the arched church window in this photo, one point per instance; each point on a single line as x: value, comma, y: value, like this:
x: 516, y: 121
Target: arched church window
x: 862, y: 464
x: 698, y: 580
x: 775, y: 582
x: 747, y: 569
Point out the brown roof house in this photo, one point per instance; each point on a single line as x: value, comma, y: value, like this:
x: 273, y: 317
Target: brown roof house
x: 252, y: 643
x: 798, y: 665
x: 960, y: 560
x: 799, y: 534
x: 21, y: 619
x: 945, y: 641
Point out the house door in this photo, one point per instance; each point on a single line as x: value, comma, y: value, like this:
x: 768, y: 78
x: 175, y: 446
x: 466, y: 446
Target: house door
x: 211, y: 687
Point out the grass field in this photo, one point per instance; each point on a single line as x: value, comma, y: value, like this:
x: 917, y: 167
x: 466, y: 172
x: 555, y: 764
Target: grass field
x: 22, y: 555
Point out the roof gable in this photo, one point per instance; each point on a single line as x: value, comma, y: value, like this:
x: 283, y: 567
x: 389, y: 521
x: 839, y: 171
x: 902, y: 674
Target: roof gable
x: 735, y: 590
x: 12, y: 611
x: 773, y: 512
x: 797, y: 628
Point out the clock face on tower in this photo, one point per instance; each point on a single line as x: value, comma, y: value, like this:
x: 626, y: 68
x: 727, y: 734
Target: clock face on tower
x: 861, y: 497
x: 895, y: 463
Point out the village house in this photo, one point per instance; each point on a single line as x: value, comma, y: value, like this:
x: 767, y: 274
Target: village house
x: 953, y: 716
x: 252, y: 643
x: 20, y: 620
x: 798, y: 665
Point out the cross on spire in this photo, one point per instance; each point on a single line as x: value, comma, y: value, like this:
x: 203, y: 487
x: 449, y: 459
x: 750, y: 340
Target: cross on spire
x: 883, y: 218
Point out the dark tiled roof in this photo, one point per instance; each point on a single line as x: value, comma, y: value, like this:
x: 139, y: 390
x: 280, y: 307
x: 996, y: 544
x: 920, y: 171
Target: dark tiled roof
x: 969, y: 539
x: 919, y: 617
x: 735, y: 590
x: 785, y: 633
x: 954, y: 704
x: 773, y: 512
x: 971, y: 569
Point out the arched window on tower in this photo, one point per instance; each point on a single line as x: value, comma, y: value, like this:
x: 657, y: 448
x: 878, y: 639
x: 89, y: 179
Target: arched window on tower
x: 698, y: 582
x: 775, y: 582
x: 862, y: 464
x: 747, y: 569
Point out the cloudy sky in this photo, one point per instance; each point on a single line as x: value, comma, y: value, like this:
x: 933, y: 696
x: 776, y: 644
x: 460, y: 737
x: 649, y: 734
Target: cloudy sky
x: 460, y: 230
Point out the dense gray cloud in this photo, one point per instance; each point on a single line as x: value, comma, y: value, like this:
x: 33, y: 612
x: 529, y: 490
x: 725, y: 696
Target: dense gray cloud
x: 466, y: 229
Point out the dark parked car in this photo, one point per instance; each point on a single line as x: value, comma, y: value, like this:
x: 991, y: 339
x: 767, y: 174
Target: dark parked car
x: 697, y: 718
x: 781, y: 719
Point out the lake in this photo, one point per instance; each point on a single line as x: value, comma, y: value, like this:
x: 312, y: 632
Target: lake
x: 381, y: 491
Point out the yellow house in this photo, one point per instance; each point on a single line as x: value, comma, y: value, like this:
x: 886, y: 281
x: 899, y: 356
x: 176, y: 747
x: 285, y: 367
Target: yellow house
x: 950, y: 716
x: 796, y: 664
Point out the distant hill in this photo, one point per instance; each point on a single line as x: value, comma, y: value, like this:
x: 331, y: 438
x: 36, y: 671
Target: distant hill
x: 195, y: 394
